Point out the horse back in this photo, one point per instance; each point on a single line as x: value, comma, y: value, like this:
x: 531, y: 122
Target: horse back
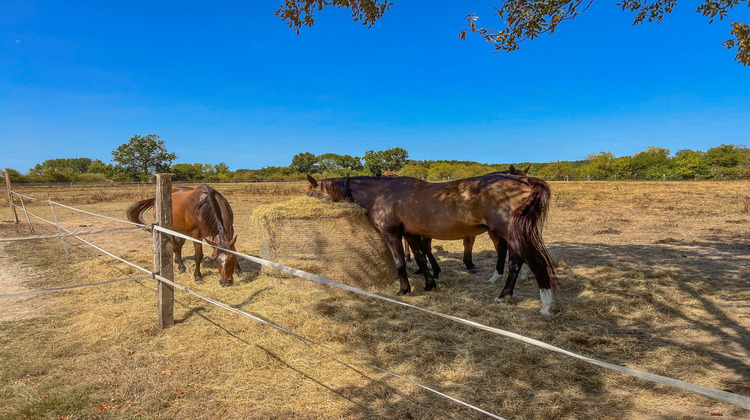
x: 187, y: 216
x: 448, y: 210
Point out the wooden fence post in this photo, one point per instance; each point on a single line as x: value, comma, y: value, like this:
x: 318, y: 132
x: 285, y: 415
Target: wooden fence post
x: 165, y: 292
x: 10, y: 196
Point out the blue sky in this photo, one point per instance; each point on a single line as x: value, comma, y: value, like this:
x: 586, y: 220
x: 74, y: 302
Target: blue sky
x: 229, y: 82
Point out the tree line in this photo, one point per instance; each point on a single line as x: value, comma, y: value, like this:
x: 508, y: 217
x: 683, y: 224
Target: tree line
x: 143, y: 156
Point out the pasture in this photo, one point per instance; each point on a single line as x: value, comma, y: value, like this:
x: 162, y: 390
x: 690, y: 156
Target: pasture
x: 654, y: 276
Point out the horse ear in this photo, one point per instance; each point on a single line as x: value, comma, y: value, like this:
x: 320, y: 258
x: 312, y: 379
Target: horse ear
x: 526, y: 171
x: 231, y: 243
x: 312, y: 180
x: 210, y: 242
x: 512, y: 169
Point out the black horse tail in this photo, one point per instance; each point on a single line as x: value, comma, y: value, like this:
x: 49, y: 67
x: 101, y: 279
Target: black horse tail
x: 135, y: 211
x: 525, y: 234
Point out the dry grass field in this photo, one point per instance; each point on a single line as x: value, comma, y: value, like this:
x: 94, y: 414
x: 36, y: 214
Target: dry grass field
x: 655, y: 276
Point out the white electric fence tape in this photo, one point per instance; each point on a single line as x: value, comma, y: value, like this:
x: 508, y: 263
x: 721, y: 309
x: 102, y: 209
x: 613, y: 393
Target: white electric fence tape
x: 207, y: 299
x: 734, y: 399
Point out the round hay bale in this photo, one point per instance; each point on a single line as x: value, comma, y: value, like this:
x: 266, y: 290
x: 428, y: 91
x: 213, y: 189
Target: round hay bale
x: 334, y: 240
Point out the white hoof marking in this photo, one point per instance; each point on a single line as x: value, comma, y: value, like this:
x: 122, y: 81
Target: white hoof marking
x: 547, y: 297
x: 494, y: 277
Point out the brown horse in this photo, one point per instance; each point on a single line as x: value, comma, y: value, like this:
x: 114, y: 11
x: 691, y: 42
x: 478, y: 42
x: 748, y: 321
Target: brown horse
x: 508, y: 207
x: 469, y: 244
x: 201, y: 213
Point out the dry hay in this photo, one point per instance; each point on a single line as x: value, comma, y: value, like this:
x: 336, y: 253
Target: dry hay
x: 334, y: 240
x: 667, y: 299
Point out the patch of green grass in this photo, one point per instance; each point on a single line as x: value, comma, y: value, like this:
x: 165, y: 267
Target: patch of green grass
x: 72, y: 404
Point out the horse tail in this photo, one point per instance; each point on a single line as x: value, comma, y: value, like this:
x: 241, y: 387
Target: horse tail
x: 525, y: 234
x: 135, y: 211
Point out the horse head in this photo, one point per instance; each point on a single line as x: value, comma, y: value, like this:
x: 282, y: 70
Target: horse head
x: 513, y: 171
x: 334, y: 189
x: 225, y: 261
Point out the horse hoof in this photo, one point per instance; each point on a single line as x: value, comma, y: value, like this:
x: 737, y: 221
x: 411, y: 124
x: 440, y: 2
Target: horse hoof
x: 182, y: 269
x: 198, y: 280
x: 504, y: 299
x: 430, y: 289
x: 436, y: 276
x: 403, y: 292
x: 546, y: 312
x: 225, y: 283
x: 472, y: 271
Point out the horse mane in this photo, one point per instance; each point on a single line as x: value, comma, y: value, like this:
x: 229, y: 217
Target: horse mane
x: 337, y: 188
x: 209, y: 211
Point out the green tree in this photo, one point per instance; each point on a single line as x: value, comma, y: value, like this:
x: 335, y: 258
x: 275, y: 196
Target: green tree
x: 651, y: 163
x: 351, y: 163
x: 187, y: 172
x: 15, y: 176
x: 414, y: 170
x: 304, y: 163
x: 726, y: 156
x: 385, y: 160
x: 557, y: 170
x: 143, y: 156
x: 99, y: 167
x: 59, y: 170
x: 690, y: 164
x: 599, y: 166
x: 441, y: 170
x: 528, y: 19
x: 622, y: 168
x: 221, y: 168
x: 328, y: 162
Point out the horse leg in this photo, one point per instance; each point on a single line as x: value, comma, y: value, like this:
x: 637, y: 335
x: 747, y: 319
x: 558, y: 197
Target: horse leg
x: 407, y: 254
x: 514, y: 267
x: 198, y: 260
x: 427, y: 250
x: 425, y: 247
x: 468, y: 245
x: 395, y: 245
x: 415, y: 249
x: 501, y: 246
x: 417, y: 243
x: 177, y: 244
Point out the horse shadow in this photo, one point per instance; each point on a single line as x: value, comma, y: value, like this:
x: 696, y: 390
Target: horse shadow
x: 620, y: 303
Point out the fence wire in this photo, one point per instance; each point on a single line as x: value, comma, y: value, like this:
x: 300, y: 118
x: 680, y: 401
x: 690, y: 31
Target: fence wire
x: 728, y: 397
x: 198, y: 295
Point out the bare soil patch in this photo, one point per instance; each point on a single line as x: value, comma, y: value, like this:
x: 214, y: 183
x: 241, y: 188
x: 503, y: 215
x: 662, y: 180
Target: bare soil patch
x: 13, y: 277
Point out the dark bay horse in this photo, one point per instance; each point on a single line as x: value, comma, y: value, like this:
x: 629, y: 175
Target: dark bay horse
x: 201, y: 213
x: 509, y: 207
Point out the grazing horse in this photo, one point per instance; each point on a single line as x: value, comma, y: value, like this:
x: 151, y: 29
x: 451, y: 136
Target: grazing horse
x: 508, y: 207
x: 201, y: 213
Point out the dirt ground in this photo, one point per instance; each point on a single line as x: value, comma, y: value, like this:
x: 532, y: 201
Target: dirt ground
x: 655, y: 276
x: 13, y: 277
